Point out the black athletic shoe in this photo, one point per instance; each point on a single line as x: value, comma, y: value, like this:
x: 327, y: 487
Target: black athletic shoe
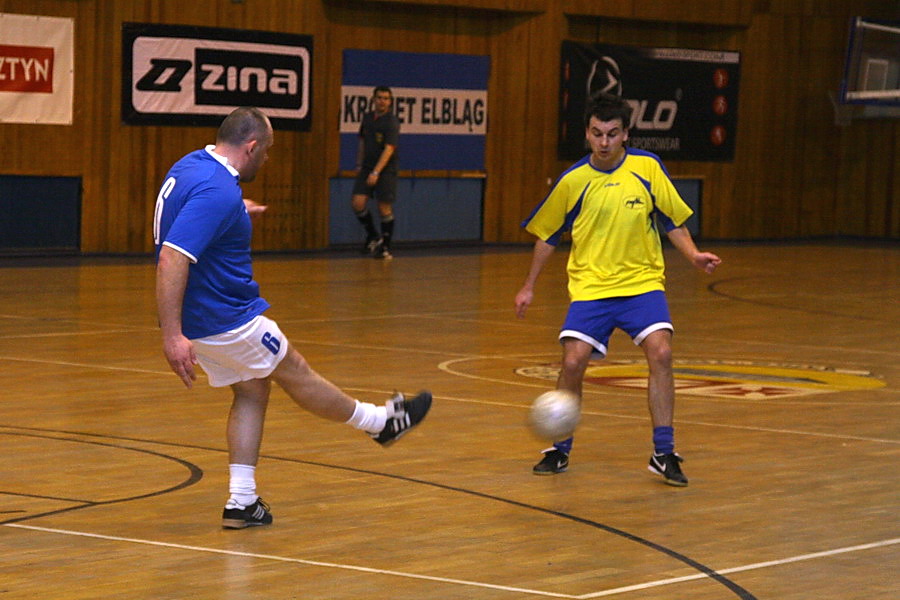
x: 370, y: 245
x: 668, y: 466
x: 236, y: 516
x: 554, y: 461
x: 403, y: 415
x: 381, y: 251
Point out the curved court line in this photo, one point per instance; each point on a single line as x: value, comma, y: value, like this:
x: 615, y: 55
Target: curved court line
x: 446, y: 368
x: 792, y: 345
x: 714, y: 289
x: 441, y: 366
x: 697, y: 566
x: 595, y: 413
x: 195, y: 473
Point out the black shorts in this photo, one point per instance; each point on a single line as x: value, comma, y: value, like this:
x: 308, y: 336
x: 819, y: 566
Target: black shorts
x: 385, y: 189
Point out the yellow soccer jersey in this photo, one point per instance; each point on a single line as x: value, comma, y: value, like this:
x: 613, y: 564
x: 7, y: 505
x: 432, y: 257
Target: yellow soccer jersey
x: 614, y: 218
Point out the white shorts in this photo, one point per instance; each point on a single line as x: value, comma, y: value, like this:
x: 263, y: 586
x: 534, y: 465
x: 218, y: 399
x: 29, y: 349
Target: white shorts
x: 252, y: 351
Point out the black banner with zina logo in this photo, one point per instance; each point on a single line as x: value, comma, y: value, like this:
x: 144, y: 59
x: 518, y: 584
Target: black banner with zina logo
x: 684, y: 102
x: 180, y: 75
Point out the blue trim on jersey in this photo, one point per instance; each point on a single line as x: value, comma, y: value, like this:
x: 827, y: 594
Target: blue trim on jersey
x: 553, y: 240
x: 665, y: 221
x: 580, y: 163
x: 640, y: 152
x: 656, y: 215
x: 644, y: 182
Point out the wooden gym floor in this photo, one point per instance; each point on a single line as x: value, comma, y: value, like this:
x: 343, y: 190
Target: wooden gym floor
x: 113, y: 475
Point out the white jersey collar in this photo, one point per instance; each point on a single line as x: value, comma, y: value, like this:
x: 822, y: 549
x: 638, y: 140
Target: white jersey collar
x: 222, y: 160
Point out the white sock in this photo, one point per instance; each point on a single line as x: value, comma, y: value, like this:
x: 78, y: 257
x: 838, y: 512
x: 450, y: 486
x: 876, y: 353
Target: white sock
x: 242, y: 484
x: 368, y: 417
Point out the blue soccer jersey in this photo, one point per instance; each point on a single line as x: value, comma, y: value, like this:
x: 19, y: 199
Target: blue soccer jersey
x: 200, y: 212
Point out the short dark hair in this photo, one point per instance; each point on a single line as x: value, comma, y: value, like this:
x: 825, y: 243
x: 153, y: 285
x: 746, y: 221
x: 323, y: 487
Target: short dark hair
x: 242, y: 125
x: 383, y: 88
x: 607, y: 107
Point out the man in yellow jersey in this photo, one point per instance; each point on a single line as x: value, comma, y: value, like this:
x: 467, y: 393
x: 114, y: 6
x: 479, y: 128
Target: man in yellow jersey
x: 614, y: 201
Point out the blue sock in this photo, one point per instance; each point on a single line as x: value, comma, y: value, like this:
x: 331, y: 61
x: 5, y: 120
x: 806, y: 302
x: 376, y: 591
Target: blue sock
x: 565, y: 445
x: 664, y: 440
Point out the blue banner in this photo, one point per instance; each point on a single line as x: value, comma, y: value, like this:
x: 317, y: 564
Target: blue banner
x: 440, y: 100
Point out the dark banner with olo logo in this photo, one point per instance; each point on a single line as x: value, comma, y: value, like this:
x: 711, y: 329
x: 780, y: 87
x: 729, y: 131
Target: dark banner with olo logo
x: 178, y: 75
x: 684, y: 101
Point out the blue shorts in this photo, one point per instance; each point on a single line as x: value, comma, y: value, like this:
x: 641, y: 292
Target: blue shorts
x: 593, y: 321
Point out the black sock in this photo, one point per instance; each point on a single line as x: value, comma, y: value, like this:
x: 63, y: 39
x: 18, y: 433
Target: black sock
x: 365, y: 217
x: 387, y: 230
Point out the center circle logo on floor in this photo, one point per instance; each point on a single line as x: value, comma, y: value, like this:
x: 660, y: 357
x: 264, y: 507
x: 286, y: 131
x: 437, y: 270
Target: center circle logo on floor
x: 736, y: 379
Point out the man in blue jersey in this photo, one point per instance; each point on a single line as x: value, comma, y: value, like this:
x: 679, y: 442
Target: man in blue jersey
x: 376, y: 172
x: 614, y: 201
x: 210, y: 310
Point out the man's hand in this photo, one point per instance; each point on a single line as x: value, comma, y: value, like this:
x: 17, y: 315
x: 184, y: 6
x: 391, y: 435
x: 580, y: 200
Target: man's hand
x: 179, y: 352
x: 542, y: 253
x: 706, y: 261
x: 523, y: 301
x: 254, y: 209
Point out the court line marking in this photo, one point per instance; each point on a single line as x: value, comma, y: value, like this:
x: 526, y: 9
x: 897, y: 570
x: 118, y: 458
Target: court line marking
x: 68, y: 333
x: 85, y: 365
x: 447, y: 315
x: 682, y: 421
x: 312, y: 563
x: 751, y: 567
x: 494, y: 403
x: 446, y: 368
x: 600, y: 594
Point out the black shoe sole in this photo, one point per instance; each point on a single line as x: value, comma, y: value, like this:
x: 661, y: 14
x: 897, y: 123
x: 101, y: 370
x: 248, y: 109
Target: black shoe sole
x: 240, y: 524
x: 666, y: 480
x: 544, y: 473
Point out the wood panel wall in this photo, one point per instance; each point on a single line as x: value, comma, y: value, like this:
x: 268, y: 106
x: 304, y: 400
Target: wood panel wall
x: 795, y: 175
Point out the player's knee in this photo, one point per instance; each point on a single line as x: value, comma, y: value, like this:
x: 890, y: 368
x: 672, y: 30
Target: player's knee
x: 573, y: 365
x: 358, y: 202
x: 293, y: 367
x: 659, y: 356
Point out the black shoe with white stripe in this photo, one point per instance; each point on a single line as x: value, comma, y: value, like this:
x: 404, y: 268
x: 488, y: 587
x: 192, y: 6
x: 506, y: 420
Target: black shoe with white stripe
x: 370, y: 245
x: 236, y: 516
x: 554, y: 461
x: 402, y: 415
x: 668, y: 465
x: 382, y: 251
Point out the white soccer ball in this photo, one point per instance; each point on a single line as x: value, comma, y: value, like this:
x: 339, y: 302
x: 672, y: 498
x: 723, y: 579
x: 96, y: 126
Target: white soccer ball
x: 554, y: 415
